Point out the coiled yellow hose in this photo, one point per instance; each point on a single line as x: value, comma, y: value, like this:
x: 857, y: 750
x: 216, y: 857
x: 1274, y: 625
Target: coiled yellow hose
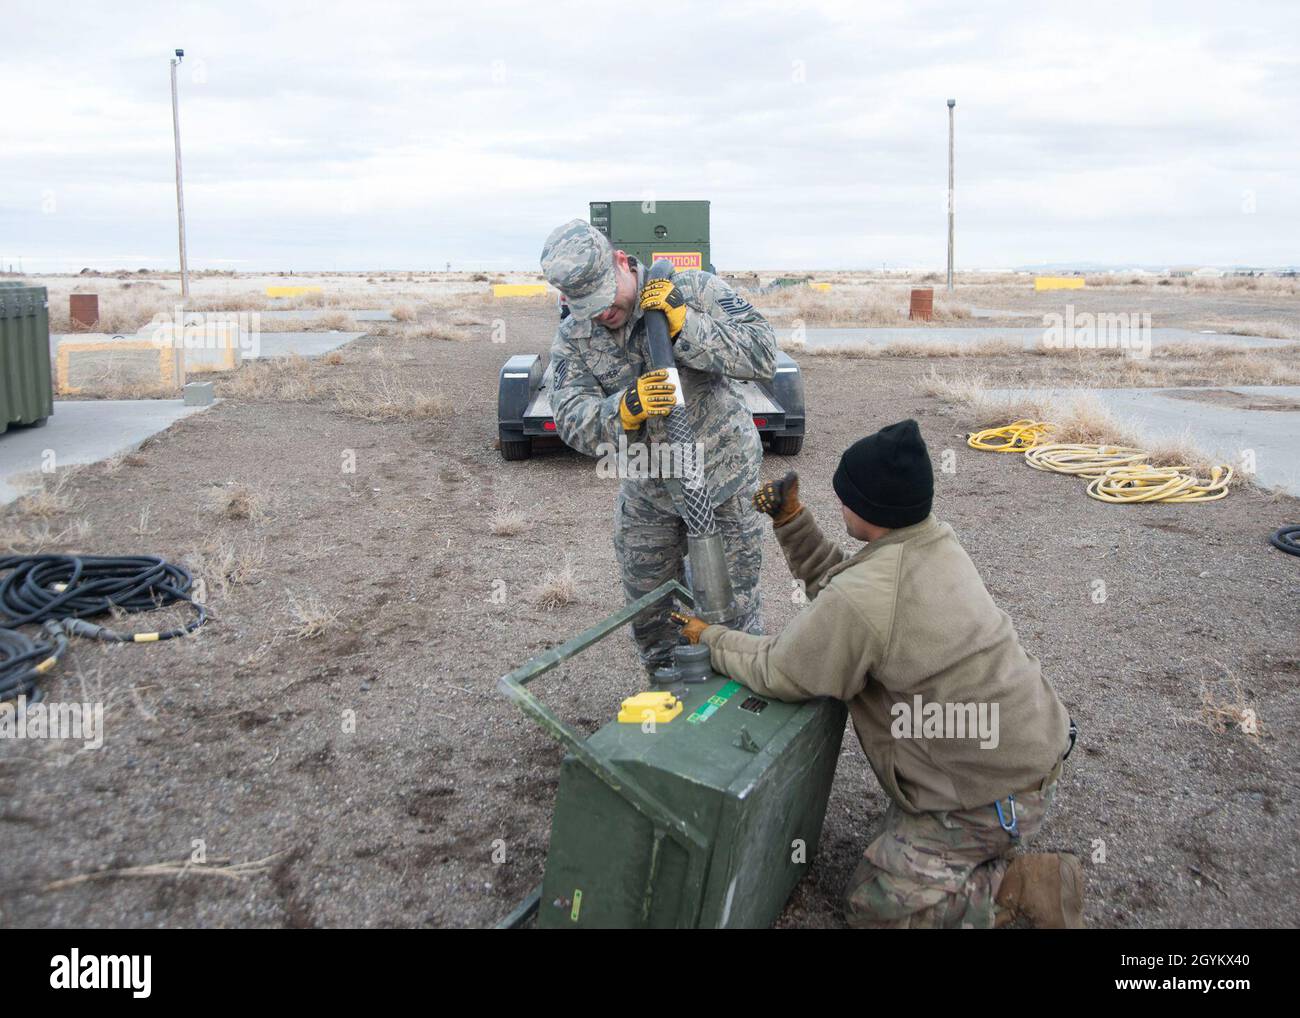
x: 1118, y: 474
x: 1014, y: 437
x: 1145, y: 483
x: 1082, y: 460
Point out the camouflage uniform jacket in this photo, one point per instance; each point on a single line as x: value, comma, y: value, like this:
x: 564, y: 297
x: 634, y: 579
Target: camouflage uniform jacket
x: 724, y: 338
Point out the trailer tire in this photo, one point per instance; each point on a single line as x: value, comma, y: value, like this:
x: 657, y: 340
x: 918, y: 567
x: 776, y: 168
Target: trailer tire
x: 516, y: 450
x: 787, y: 445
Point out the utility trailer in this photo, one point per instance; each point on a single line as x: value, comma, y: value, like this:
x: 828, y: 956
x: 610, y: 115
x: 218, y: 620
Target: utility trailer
x: 673, y: 231
x: 524, y: 411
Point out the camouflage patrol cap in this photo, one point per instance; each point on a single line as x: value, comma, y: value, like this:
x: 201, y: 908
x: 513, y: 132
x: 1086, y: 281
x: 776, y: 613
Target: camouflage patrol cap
x: 578, y: 261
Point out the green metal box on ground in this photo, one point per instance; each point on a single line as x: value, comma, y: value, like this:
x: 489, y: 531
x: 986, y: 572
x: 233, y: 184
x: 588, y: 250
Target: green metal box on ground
x: 706, y: 820
x: 26, y: 389
x: 675, y: 230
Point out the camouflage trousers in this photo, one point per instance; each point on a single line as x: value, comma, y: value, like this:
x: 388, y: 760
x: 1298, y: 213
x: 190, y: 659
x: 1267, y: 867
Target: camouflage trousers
x: 650, y: 543
x: 940, y: 870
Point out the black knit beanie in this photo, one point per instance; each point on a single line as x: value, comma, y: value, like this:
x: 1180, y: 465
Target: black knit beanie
x: 886, y: 478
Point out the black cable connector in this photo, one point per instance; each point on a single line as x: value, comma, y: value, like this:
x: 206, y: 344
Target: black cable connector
x: 23, y: 660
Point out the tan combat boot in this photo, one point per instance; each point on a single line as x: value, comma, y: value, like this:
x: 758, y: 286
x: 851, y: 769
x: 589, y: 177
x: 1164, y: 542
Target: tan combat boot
x: 1043, y: 888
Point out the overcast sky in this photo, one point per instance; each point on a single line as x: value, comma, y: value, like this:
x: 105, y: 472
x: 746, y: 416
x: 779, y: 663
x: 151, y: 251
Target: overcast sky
x: 385, y: 135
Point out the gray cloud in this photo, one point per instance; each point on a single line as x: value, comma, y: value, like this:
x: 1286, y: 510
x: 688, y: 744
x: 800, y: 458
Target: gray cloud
x: 409, y: 135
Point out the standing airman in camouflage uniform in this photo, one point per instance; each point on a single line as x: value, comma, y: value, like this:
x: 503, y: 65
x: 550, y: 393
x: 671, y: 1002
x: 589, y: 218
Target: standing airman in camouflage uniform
x: 605, y: 391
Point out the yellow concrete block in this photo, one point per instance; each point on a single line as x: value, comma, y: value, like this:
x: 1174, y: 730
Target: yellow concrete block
x: 166, y: 364
x: 820, y: 286
x: 291, y: 291
x: 1058, y: 282
x: 519, y: 289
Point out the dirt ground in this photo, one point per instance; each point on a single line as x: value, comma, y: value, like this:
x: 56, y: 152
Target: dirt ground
x: 237, y: 739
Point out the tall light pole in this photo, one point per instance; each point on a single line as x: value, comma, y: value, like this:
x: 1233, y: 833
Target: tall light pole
x: 180, y: 190
x: 951, y: 104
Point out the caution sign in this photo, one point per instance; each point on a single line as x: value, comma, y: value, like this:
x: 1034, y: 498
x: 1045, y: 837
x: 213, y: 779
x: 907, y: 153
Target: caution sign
x: 680, y: 259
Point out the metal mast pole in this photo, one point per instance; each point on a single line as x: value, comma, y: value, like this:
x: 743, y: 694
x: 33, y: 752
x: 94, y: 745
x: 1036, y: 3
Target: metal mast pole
x: 180, y: 191
x: 951, y: 104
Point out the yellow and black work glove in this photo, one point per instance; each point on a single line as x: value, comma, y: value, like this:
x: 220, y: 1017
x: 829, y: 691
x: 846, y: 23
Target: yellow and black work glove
x: 651, y: 395
x: 691, y: 626
x: 779, y: 499
x: 663, y: 295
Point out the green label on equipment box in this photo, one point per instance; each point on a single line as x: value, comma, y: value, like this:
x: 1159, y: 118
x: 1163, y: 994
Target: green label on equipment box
x: 710, y: 706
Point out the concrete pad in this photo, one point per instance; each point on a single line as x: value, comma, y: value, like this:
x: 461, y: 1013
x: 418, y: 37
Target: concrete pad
x: 84, y: 431
x: 996, y: 313
x: 363, y: 315
x: 305, y: 344
x: 267, y: 344
x: 1029, y: 337
x: 1225, y: 432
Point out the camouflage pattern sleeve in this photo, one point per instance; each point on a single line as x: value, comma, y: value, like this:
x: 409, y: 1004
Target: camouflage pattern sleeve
x: 724, y: 333
x: 585, y: 415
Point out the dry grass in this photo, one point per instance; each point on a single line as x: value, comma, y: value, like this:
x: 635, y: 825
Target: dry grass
x: 280, y: 378
x: 859, y: 306
x: 1182, y: 451
x: 403, y: 312
x: 32, y: 538
x: 443, y: 331
x: 507, y: 522
x: 337, y: 321
x: 1230, y: 714
x: 962, y: 387
x: 379, y: 394
x: 238, y: 502
x: 288, y: 324
x: 330, y: 321
x: 311, y: 618
x: 1237, y: 327
x: 388, y: 397
x: 556, y: 589
x: 910, y: 348
x: 1076, y: 416
x: 52, y: 497
x: 222, y: 563
x: 1169, y: 366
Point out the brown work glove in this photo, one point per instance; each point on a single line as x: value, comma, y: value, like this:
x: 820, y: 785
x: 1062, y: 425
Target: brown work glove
x: 779, y: 499
x: 692, y: 627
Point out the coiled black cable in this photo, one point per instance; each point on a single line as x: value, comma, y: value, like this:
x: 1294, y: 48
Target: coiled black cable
x: 62, y: 591
x: 44, y: 587
x: 1287, y: 539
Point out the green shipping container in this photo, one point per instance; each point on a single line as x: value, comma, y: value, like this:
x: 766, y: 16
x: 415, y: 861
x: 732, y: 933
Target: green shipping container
x: 26, y: 389
x: 706, y: 820
x: 676, y: 230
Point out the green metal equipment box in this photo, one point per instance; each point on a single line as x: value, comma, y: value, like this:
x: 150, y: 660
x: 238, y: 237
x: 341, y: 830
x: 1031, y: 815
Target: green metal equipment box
x: 676, y: 230
x: 26, y: 389
x: 709, y: 819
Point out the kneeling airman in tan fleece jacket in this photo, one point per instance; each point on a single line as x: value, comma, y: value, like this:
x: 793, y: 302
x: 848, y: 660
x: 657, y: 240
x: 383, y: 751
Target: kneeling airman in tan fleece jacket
x: 962, y: 729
